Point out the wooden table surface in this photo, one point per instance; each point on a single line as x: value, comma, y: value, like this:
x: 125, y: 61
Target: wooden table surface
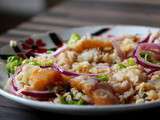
x: 75, y: 13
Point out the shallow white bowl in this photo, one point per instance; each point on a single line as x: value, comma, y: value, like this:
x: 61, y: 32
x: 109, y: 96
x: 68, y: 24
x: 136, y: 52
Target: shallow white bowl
x: 74, y: 109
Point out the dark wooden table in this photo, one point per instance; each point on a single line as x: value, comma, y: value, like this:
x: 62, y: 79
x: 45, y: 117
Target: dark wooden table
x: 75, y: 13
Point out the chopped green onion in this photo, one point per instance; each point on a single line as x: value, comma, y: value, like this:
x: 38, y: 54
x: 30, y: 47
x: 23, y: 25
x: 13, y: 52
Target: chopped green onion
x: 38, y: 63
x: 102, y: 77
x: 121, y: 66
x: 73, y: 39
x: 34, y: 63
x: 49, y: 51
x: 62, y: 99
x: 27, y: 61
x: 73, y: 97
x: 76, y: 102
x: 52, y: 49
x: 149, y: 57
x: 71, y: 102
x: 131, y: 62
x: 146, y: 56
x: 12, y: 63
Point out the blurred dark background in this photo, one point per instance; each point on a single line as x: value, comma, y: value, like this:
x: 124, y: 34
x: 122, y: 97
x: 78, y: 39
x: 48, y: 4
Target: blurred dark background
x: 71, y: 13
x: 14, y: 12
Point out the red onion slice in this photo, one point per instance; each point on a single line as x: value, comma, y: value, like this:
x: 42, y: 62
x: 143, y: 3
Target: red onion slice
x: 110, y: 36
x: 35, y: 94
x: 68, y: 73
x: 152, y: 71
x: 147, y: 47
x: 59, y: 50
x: 39, y: 94
x: 107, y: 36
x: 116, y: 46
x: 102, y: 66
x: 153, y: 37
x: 145, y: 38
x: 12, y: 90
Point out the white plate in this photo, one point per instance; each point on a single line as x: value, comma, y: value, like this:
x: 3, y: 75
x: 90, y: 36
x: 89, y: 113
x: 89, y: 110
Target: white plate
x: 74, y: 109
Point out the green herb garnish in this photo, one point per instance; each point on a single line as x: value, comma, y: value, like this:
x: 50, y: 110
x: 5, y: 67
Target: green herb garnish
x: 131, y: 62
x: 121, y: 66
x: 73, y: 39
x: 149, y: 57
x: 49, y: 51
x: 102, y: 77
x: 71, y: 102
x: 76, y: 102
x: 37, y: 63
x: 12, y: 63
x: 146, y: 56
x: 27, y: 61
x: 73, y: 97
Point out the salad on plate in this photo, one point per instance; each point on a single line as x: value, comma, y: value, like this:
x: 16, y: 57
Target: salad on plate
x: 88, y: 70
